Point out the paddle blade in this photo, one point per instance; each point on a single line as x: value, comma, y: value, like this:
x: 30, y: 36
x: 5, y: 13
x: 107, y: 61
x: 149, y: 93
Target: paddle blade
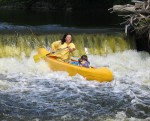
x: 36, y: 58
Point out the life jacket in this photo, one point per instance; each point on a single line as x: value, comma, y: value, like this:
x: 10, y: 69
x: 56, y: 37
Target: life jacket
x: 86, y: 64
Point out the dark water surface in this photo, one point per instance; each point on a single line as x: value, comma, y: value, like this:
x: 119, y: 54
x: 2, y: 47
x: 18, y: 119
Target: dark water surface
x: 58, y: 21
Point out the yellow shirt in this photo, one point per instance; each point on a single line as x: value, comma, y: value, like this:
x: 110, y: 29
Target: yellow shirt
x: 65, y: 54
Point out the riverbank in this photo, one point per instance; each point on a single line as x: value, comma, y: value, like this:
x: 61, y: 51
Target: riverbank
x: 38, y: 6
x: 60, y: 4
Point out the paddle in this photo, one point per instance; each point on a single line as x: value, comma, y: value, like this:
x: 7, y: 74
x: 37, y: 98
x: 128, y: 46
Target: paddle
x: 39, y: 56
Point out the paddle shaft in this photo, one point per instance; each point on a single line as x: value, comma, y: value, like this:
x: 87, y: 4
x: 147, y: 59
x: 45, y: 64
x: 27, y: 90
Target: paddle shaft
x: 56, y: 51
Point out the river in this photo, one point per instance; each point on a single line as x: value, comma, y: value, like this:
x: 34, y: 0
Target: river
x: 31, y: 91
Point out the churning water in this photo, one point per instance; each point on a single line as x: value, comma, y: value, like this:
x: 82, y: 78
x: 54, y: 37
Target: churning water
x: 32, y: 92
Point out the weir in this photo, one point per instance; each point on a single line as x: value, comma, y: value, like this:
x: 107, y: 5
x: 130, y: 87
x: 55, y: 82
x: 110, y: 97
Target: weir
x: 98, y: 44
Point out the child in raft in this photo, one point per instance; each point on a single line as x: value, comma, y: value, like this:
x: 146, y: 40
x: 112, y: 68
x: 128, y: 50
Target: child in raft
x: 83, y: 61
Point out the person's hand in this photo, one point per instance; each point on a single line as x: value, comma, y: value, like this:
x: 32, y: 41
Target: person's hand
x: 70, y: 50
x: 48, y: 54
x: 52, y: 51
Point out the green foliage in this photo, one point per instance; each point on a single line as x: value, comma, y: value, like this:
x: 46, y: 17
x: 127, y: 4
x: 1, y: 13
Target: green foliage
x: 62, y: 4
x: 143, y: 25
x: 121, y: 1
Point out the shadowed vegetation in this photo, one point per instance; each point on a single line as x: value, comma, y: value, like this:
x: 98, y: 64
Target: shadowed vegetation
x: 63, y: 4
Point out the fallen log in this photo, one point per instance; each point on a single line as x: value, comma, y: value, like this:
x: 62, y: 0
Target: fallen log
x: 137, y: 22
x: 129, y: 9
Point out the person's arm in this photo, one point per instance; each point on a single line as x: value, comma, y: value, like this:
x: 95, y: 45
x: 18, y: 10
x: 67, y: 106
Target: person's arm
x: 55, y: 45
x: 71, y: 47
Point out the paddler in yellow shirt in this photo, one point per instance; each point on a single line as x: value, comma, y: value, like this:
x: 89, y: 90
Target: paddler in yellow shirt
x: 65, y: 45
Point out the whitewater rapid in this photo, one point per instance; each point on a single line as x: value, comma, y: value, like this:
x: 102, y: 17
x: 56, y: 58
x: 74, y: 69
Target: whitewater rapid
x: 32, y: 91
